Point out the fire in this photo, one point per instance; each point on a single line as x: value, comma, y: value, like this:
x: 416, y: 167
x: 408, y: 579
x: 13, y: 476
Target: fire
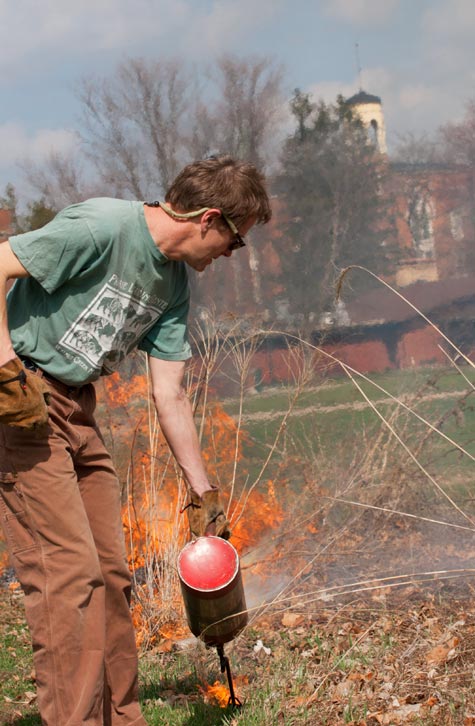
x: 172, y: 631
x: 155, y: 530
x: 261, y: 513
x: 219, y: 694
x: 120, y: 394
x: 3, y: 559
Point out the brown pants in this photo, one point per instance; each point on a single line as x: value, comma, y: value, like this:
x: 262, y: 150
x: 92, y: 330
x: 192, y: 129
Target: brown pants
x: 60, y: 509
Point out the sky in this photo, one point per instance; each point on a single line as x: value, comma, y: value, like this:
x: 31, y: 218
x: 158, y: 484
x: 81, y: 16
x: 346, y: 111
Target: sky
x: 417, y: 55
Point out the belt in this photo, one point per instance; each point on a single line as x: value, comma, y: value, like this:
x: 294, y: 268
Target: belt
x: 34, y: 367
x: 28, y: 363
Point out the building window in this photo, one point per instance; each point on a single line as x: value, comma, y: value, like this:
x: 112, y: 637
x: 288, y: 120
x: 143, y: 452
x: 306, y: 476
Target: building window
x: 456, y: 225
x: 420, y: 218
x: 373, y: 132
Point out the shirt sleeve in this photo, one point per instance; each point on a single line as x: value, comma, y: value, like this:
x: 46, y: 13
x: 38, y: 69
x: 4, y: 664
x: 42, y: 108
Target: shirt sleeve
x: 168, y: 339
x: 58, y: 251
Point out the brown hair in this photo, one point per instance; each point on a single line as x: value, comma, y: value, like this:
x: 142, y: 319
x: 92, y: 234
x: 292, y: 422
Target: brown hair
x: 235, y: 187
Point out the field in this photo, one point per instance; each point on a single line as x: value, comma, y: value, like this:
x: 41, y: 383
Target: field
x: 335, y: 419
x: 359, y: 580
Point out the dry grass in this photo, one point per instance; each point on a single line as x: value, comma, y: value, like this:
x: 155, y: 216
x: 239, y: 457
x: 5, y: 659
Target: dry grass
x: 358, y: 559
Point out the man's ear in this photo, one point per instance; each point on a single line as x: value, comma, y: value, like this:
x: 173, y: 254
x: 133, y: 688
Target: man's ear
x: 208, y: 218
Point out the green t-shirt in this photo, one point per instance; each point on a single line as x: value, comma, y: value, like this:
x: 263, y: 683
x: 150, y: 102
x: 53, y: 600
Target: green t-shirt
x: 99, y: 288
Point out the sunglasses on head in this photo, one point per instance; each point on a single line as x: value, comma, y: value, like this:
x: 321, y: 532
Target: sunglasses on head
x: 238, y: 240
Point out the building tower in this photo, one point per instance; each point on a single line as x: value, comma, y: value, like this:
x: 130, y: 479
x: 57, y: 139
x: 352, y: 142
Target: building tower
x: 370, y: 111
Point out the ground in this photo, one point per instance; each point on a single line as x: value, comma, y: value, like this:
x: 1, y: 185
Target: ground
x: 391, y: 657
x: 368, y: 617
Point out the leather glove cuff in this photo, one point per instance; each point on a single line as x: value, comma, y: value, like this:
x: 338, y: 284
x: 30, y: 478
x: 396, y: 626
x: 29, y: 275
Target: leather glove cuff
x: 23, y: 397
x: 206, y: 515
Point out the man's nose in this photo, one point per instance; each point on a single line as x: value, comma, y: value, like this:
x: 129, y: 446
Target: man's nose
x: 227, y: 253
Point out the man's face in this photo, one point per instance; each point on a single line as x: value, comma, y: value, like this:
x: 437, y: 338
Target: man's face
x: 215, y: 240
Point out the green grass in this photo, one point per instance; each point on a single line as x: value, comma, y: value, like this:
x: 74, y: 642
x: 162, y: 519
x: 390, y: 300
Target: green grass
x: 17, y: 687
x: 333, y: 392
x: 331, y: 669
x: 335, y: 421
x: 172, y: 685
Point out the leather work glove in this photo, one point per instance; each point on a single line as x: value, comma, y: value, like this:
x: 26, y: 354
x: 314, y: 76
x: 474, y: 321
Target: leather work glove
x: 206, y: 515
x: 23, y: 397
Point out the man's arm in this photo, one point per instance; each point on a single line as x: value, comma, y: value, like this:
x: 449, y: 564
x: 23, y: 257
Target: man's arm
x: 10, y: 268
x: 175, y: 416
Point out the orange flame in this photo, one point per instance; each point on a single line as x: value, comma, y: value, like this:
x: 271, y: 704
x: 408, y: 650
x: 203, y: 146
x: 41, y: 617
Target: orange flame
x: 261, y: 514
x: 218, y: 693
x: 151, y: 523
x: 119, y: 393
x: 3, y: 557
x: 149, y: 515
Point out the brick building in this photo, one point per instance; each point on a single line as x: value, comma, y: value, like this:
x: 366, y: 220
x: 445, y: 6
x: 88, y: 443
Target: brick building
x: 6, y: 224
x: 434, y: 222
x: 431, y: 223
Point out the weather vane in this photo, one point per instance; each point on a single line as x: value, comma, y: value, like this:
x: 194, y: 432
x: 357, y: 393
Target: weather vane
x: 358, y: 65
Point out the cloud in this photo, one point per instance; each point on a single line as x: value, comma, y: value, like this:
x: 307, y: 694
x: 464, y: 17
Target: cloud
x: 219, y: 29
x: 361, y: 12
x: 17, y: 144
x: 447, y: 31
x: 428, y: 85
x: 450, y: 18
x: 62, y: 31
x: 415, y: 96
x: 407, y: 106
x: 54, y: 27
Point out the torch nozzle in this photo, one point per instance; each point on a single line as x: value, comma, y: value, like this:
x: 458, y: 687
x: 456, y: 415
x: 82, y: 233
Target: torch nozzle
x: 225, y: 667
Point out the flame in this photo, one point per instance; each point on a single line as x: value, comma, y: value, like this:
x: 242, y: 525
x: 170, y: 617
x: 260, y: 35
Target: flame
x: 119, y: 393
x: 3, y: 557
x: 172, y: 631
x: 260, y: 514
x: 219, y: 694
x: 155, y: 532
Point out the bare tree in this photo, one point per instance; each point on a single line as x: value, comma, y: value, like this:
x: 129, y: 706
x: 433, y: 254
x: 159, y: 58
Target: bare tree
x: 416, y: 149
x: 59, y: 180
x: 459, y: 138
x: 134, y: 125
x: 202, y: 134
x: 251, y: 98
x: 144, y: 121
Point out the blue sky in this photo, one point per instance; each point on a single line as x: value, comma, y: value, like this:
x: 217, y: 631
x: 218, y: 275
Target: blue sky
x: 417, y: 55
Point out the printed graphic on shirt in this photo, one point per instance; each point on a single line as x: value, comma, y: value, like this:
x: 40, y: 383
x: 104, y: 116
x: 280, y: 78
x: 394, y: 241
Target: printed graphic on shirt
x: 109, y: 328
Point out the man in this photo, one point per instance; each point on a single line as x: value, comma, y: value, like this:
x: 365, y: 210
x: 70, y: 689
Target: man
x: 104, y: 277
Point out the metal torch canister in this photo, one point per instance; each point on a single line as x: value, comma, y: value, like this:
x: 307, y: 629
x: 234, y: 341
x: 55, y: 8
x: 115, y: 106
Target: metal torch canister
x: 212, y: 589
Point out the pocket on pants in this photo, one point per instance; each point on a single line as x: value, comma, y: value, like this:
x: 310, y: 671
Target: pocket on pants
x: 15, y: 520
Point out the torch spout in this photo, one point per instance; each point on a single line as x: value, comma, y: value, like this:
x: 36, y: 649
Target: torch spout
x: 225, y: 667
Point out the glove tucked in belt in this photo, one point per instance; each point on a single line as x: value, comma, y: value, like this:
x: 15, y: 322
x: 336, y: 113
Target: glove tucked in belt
x: 206, y: 515
x: 23, y: 397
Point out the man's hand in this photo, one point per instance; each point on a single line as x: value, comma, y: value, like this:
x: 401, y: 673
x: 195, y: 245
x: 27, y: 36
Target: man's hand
x: 206, y: 515
x: 23, y: 397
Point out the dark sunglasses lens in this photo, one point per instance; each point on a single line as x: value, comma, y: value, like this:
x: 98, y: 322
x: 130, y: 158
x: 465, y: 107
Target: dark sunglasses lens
x: 237, y: 243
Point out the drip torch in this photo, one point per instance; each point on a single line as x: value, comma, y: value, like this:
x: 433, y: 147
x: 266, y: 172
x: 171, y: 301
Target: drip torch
x: 213, y: 593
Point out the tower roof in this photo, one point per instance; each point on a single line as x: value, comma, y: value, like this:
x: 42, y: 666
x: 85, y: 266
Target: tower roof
x: 362, y: 97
